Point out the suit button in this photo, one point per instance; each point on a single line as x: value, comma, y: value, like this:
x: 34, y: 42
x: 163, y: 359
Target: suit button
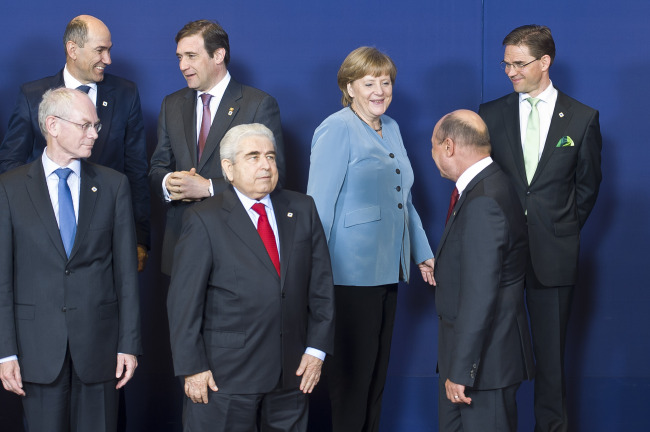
x: 527, y: 193
x: 63, y: 309
x: 397, y: 171
x: 399, y: 206
x: 67, y: 272
x: 391, y: 155
x: 283, y: 295
x: 398, y: 188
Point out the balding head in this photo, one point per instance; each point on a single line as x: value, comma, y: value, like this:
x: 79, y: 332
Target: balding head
x: 87, y: 43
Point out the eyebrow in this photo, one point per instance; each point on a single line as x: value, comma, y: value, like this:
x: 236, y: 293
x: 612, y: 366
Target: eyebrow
x: 257, y: 153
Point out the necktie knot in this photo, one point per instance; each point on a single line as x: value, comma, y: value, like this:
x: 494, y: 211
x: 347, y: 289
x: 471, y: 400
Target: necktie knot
x: 205, y: 99
x: 533, y: 101
x: 63, y: 173
x: 84, y: 88
x: 259, y: 209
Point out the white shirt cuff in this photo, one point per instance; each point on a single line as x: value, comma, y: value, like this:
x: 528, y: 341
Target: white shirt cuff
x: 316, y: 353
x: 7, y: 359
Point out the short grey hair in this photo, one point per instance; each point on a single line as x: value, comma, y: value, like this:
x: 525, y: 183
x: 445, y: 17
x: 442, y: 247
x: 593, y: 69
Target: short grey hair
x: 229, y: 146
x: 56, y: 102
x: 77, y: 32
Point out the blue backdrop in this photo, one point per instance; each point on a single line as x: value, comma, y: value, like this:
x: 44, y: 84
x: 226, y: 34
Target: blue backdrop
x: 447, y: 54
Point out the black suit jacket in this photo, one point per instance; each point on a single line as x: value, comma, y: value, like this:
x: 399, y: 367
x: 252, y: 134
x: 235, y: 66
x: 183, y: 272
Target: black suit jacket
x: 229, y: 312
x: 177, y: 138
x: 564, y: 188
x: 47, y: 301
x: 121, y: 143
x: 483, y: 339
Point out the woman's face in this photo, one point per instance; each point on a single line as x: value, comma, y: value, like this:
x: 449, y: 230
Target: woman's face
x: 371, y: 95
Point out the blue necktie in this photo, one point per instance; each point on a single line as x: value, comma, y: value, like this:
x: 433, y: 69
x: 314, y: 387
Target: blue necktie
x: 67, y: 220
x: 84, y: 88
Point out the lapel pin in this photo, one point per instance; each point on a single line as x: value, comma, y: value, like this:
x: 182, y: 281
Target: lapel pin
x: 561, y: 114
x: 105, y: 103
x: 94, y: 189
x: 230, y: 111
x: 289, y: 214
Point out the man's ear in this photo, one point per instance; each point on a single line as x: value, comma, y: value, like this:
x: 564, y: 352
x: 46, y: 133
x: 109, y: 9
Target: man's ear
x: 227, y: 168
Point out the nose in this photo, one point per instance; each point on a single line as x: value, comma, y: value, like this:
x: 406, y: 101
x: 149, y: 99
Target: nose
x: 510, y: 71
x: 92, y: 133
x: 182, y: 64
x: 106, y: 57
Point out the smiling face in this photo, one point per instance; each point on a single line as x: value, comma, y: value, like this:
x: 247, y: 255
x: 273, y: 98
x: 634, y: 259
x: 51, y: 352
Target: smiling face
x: 371, y: 96
x: 532, y: 79
x: 254, y: 172
x: 87, y: 63
x: 201, y: 71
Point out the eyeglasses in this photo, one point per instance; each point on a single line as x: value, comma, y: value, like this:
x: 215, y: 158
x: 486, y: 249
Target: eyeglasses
x: 516, y: 66
x: 84, y: 127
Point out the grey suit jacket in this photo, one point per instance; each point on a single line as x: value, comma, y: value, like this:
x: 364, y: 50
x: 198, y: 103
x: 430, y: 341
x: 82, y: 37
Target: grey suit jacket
x: 176, y: 149
x: 229, y: 312
x: 483, y: 339
x: 47, y: 301
x: 564, y: 188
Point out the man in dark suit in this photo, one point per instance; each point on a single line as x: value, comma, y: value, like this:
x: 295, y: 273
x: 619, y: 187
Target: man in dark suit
x: 250, y: 312
x: 484, y: 348
x: 69, y: 312
x: 121, y: 143
x: 549, y: 145
x: 185, y: 166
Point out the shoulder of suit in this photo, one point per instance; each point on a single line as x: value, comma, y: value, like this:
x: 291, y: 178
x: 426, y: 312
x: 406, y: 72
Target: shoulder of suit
x: 250, y: 92
x: 102, y: 171
x: 566, y: 99
x: 499, y: 101
x: 117, y: 82
x: 40, y: 86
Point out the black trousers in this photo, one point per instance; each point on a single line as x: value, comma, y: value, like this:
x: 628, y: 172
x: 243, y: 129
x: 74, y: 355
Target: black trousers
x: 549, y: 309
x: 356, y: 372
x: 69, y: 405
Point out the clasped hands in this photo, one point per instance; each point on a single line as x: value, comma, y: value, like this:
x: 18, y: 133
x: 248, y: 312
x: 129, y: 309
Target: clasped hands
x: 187, y: 186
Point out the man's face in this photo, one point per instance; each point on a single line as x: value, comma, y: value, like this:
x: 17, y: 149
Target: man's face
x: 528, y: 79
x: 71, y: 140
x: 88, y: 62
x: 199, y: 69
x: 254, y: 173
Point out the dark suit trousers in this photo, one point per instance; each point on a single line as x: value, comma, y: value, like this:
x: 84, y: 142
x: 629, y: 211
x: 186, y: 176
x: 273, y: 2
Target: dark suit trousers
x: 69, y: 405
x: 356, y: 372
x: 548, y: 309
x: 277, y: 411
x: 490, y: 410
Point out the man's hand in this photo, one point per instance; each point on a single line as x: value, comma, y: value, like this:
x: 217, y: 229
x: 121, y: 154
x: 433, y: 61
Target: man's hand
x: 11, y: 379
x: 196, y: 386
x: 143, y: 255
x: 456, y: 393
x: 126, y: 364
x: 187, y: 186
x: 309, y: 369
x: 426, y: 268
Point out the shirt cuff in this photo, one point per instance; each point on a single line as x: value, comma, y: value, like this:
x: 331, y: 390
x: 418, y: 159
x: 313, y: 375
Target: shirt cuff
x: 316, y: 353
x: 164, y: 188
x: 211, y: 189
x: 7, y: 359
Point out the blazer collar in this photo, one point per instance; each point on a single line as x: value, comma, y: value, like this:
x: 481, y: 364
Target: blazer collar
x: 513, y: 132
x: 105, y: 111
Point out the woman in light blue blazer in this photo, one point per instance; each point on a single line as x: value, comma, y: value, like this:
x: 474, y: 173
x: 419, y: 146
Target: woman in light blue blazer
x: 361, y: 178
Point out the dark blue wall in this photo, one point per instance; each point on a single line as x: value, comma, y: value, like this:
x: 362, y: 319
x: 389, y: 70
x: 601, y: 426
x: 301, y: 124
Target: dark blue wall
x: 447, y: 54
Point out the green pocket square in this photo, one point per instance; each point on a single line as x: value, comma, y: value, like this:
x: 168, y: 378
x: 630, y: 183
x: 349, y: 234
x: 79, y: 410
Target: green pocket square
x: 565, y: 142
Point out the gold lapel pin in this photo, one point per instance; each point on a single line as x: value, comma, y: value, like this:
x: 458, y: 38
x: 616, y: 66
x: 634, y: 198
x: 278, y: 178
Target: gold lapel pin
x: 230, y: 111
x: 561, y: 114
x: 94, y: 189
x: 105, y: 103
x: 289, y: 214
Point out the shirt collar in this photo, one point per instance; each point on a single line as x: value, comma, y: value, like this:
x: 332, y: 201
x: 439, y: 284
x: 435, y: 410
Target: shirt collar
x: 72, y: 82
x: 248, y: 202
x: 49, y: 166
x: 470, y: 173
x: 548, y: 95
x: 218, y: 90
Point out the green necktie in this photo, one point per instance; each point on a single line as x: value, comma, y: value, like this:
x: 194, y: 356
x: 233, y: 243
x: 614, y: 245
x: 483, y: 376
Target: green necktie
x: 531, y: 144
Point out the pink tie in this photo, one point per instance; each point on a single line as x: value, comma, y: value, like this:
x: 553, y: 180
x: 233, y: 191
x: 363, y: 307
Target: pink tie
x: 206, y: 121
x: 452, y: 204
x: 266, y: 233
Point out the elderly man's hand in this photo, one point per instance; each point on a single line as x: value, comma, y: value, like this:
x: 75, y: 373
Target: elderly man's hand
x: 309, y: 369
x: 196, y: 386
x: 11, y: 379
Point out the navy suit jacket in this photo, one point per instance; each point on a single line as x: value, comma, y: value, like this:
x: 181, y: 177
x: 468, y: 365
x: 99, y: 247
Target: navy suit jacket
x: 121, y: 143
x: 563, y: 190
x: 230, y: 313
x: 483, y: 337
x: 48, y: 301
x: 176, y: 149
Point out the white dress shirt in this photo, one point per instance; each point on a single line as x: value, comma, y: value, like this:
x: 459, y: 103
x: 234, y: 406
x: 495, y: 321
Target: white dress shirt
x: 73, y: 83
x: 545, y: 107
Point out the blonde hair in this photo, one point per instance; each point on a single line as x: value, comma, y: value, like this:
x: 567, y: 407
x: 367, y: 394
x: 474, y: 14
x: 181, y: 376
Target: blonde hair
x: 361, y: 62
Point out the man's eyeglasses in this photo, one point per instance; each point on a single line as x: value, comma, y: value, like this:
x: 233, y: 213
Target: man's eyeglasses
x: 84, y: 127
x: 516, y: 66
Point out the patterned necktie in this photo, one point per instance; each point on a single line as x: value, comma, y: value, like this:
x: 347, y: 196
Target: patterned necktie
x: 67, y: 220
x: 84, y: 88
x: 266, y: 233
x: 206, y: 122
x: 531, y: 144
x: 452, y: 204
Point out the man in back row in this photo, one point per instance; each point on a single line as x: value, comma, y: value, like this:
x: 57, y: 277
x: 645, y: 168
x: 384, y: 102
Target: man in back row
x: 549, y: 145
x: 120, y: 144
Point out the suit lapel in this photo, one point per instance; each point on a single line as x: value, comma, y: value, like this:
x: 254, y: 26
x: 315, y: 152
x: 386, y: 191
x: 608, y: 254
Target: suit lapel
x: 226, y: 113
x: 40, y: 197
x: 285, y: 219
x: 188, y: 113
x: 88, y: 191
x: 513, y: 131
x: 240, y: 223
x: 562, y: 114
x: 105, y: 103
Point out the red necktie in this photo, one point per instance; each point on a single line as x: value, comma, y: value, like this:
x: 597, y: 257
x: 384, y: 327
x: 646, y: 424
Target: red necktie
x: 206, y: 121
x: 266, y: 233
x: 452, y: 204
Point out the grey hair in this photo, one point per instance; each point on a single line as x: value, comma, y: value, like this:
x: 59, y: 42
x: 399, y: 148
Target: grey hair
x: 229, y: 146
x: 77, y: 32
x: 56, y: 102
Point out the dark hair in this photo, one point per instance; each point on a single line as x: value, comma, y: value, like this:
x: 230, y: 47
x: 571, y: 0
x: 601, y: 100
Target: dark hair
x: 361, y: 62
x: 464, y: 132
x: 77, y: 32
x: 537, y: 38
x: 214, y: 36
